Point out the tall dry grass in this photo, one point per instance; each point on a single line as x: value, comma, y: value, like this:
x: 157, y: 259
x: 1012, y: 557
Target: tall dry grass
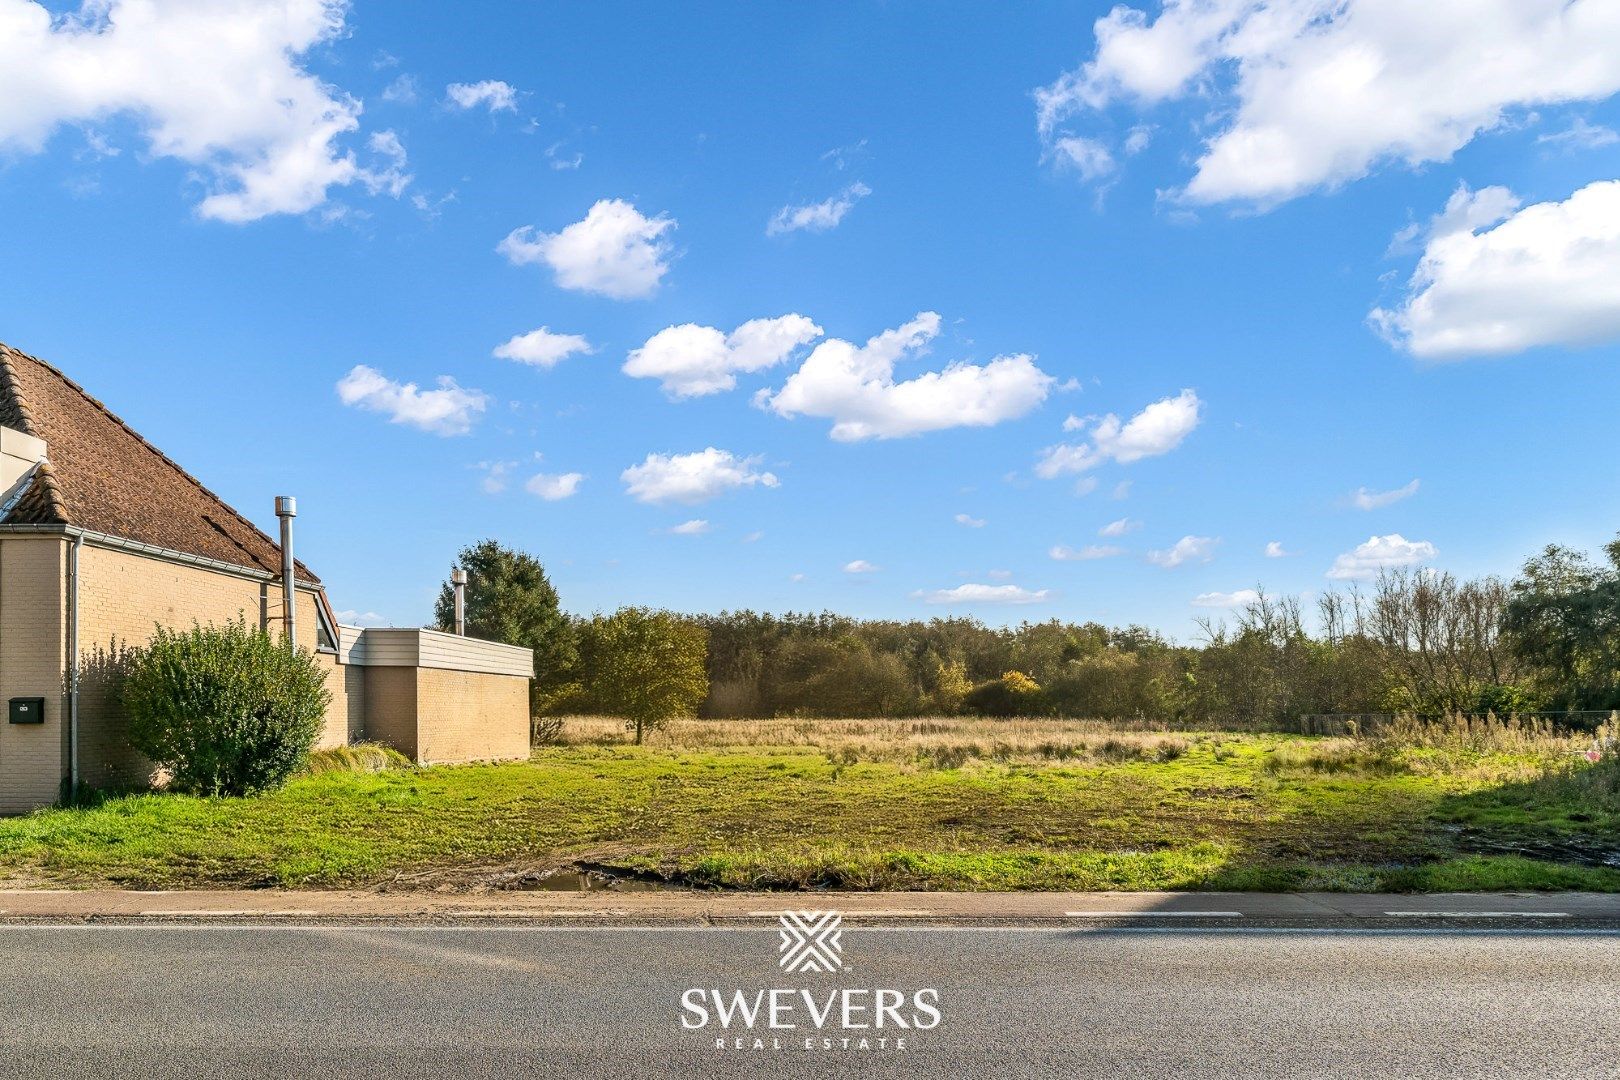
x: 940, y: 742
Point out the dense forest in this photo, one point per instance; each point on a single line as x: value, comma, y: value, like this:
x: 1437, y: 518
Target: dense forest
x: 1414, y: 640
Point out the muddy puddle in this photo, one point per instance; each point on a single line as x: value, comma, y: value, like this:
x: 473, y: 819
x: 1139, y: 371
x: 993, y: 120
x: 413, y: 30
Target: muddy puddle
x: 580, y: 879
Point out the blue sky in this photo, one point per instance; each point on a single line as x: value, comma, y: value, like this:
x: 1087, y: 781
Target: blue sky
x: 1244, y: 221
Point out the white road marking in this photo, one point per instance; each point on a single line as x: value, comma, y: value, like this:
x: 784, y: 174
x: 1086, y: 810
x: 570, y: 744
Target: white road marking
x: 217, y: 913
x: 875, y: 914
x: 408, y: 928
x: 1154, y: 914
x: 1480, y: 914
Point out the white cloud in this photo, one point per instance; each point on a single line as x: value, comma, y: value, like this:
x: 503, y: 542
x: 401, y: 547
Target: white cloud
x: 1363, y: 499
x: 970, y: 521
x: 754, y: 537
x: 983, y: 594
x: 691, y: 360
x: 1390, y: 552
x: 1581, y: 135
x: 553, y: 487
x: 1076, y: 423
x: 1120, y: 528
x: 1138, y: 139
x: 1157, y: 429
x: 1225, y: 599
x: 998, y: 575
x: 495, y: 473
x: 1274, y: 550
x: 448, y: 410
x: 1310, y: 94
x: 390, y: 175
x: 543, y: 349
x: 220, y: 86
x: 817, y: 217
x: 854, y: 386
x: 860, y: 566
x: 402, y: 91
x: 355, y: 617
x: 695, y: 527
x: 693, y: 478
x: 615, y: 251
x: 1085, y: 554
x: 1544, y: 276
x: 795, y: 578
x: 1088, y: 157
x: 1187, y: 549
x: 492, y: 94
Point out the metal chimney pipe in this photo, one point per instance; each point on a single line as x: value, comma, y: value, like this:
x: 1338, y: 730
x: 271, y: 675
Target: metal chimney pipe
x: 286, y: 510
x: 458, y: 582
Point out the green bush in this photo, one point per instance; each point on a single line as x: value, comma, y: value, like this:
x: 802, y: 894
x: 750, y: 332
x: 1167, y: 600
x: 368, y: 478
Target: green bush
x: 226, y: 709
x: 1014, y: 694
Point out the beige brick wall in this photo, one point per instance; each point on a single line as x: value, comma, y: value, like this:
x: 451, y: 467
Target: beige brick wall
x: 124, y: 596
x: 391, y: 708
x: 470, y: 716
x: 33, y: 650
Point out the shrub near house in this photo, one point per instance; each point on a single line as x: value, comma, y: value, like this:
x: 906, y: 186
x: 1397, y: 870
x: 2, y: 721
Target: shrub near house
x: 227, y: 710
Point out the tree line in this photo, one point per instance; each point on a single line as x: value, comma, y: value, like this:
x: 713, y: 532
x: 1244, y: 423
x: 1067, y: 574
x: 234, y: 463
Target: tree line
x: 1414, y: 640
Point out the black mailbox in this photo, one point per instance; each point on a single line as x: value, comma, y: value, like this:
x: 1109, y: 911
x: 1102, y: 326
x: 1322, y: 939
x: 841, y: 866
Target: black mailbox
x: 27, y: 710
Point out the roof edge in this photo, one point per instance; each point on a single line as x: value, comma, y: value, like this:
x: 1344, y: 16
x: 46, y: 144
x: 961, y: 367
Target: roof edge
x: 8, y: 382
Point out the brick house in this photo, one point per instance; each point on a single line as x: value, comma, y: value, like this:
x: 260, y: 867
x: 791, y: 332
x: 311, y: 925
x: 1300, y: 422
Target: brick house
x: 102, y: 537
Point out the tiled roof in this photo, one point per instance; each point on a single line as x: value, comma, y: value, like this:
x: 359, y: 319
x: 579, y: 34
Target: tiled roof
x: 103, y: 477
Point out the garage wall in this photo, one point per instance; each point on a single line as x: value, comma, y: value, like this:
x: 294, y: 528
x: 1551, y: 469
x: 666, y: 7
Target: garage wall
x: 470, y: 716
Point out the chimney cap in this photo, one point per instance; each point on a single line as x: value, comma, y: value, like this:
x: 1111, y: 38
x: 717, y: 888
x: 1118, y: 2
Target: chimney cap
x: 286, y: 506
x: 458, y: 576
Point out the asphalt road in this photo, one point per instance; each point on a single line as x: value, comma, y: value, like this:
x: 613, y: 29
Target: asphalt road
x: 279, y: 1001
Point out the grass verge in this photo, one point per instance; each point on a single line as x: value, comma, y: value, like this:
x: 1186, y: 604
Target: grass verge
x: 1131, y: 811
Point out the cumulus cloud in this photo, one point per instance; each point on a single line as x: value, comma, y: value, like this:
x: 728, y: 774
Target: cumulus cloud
x: 355, y: 617
x: 492, y: 94
x: 817, y: 217
x: 1544, y: 276
x: 695, y: 527
x: 1226, y: 599
x: 1187, y: 549
x: 543, y: 349
x: 1120, y: 528
x: 855, y: 387
x: 1379, y: 553
x: 1364, y: 499
x: 1157, y: 429
x: 220, y: 86
x: 693, y: 478
x: 1084, y: 554
x: 969, y: 521
x: 860, y: 566
x: 448, y: 410
x: 691, y: 360
x: 1309, y: 94
x: 615, y: 251
x: 1275, y: 550
x: 554, y: 487
x: 983, y: 594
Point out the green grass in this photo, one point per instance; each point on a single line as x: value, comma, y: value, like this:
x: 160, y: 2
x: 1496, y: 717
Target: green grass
x: 1229, y: 812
